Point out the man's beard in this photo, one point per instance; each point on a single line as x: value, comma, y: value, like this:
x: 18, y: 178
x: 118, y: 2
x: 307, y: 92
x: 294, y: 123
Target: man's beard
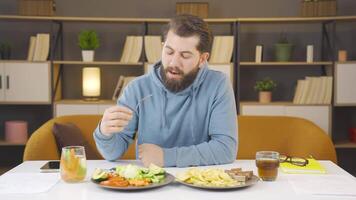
x: 177, y: 85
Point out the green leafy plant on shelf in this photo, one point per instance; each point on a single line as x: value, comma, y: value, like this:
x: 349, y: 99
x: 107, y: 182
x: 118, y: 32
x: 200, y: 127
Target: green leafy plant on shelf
x: 88, y: 40
x: 266, y: 84
x: 265, y: 88
x: 283, y: 49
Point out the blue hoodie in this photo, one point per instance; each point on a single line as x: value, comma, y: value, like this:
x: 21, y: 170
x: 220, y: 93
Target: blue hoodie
x: 196, y: 126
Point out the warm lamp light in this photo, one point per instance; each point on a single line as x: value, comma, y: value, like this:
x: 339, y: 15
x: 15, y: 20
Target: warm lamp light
x: 91, y: 82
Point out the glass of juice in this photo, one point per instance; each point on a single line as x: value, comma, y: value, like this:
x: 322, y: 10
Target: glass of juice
x: 73, y: 167
x: 267, y: 163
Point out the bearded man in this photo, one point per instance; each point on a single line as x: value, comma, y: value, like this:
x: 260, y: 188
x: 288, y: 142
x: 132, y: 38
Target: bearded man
x: 183, y: 113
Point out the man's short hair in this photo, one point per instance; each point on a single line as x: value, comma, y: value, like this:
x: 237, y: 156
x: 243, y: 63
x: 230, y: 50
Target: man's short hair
x: 189, y: 25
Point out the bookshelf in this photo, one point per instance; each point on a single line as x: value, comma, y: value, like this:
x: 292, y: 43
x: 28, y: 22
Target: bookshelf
x: 237, y: 63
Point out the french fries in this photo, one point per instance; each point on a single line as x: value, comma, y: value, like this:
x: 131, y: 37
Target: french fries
x: 208, y: 177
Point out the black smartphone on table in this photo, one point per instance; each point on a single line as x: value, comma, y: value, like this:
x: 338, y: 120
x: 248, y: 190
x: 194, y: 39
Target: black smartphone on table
x: 50, y: 166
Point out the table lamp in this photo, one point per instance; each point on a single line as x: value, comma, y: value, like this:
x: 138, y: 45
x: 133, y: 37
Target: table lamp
x: 91, y: 83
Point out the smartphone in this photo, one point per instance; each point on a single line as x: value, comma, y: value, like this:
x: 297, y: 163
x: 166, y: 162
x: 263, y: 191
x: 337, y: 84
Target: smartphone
x: 50, y: 166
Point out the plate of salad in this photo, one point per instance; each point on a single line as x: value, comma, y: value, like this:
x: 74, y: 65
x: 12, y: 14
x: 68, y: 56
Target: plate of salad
x: 131, y: 177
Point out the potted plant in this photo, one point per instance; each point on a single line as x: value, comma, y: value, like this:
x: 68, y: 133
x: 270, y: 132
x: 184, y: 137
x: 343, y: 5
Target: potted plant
x: 88, y: 42
x: 283, y: 49
x: 265, y: 88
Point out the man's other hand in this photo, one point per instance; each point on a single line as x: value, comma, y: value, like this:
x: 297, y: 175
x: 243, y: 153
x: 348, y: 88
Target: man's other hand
x: 150, y: 153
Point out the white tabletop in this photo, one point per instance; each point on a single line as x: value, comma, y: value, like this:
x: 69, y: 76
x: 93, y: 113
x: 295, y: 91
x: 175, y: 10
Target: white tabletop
x: 279, y: 189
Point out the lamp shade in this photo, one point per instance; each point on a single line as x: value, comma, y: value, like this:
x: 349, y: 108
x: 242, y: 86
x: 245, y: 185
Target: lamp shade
x: 91, y: 81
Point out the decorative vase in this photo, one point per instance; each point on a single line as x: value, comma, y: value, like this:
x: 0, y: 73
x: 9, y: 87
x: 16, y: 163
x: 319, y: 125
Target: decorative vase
x: 283, y: 52
x: 265, y: 96
x: 88, y: 55
x: 16, y: 131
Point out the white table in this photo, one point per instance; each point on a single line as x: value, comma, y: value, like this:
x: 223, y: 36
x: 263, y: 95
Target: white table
x: 280, y: 189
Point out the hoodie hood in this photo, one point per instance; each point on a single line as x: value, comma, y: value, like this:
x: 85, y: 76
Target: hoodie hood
x: 190, y: 91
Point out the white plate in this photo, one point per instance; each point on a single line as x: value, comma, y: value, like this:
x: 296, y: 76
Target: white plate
x: 167, y: 180
x: 254, y: 179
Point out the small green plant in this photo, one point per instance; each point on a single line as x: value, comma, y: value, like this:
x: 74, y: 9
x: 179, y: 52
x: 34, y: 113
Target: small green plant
x: 266, y: 84
x: 88, y: 40
x: 283, y: 38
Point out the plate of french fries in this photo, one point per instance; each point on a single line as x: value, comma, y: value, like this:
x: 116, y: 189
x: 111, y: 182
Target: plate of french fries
x: 217, y: 179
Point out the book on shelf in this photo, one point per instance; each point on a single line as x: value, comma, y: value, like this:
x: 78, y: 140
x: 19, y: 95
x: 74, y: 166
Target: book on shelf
x: 39, y: 47
x: 329, y: 89
x: 304, y: 92
x: 153, y: 48
x: 122, y: 82
x: 313, y: 167
x: 132, y: 49
x: 31, y: 48
x: 310, y: 53
x: 322, y: 90
x: 313, y: 90
x: 298, y: 91
x: 259, y: 53
x: 222, y: 48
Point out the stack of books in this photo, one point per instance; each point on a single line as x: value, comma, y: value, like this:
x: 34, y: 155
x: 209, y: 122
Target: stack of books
x: 314, y: 90
x: 39, y: 47
x: 132, y: 49
x: 222, y: 48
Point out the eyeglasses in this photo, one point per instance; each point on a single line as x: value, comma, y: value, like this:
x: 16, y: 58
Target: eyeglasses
x: 293, y: 160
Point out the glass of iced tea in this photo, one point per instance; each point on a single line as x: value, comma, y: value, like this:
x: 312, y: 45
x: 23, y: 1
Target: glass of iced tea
x: 267, y: 163
x: 73, y: 167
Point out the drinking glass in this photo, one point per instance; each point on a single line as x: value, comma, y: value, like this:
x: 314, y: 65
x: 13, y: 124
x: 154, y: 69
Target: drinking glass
x: 73, y: 167
x: 267, y: 163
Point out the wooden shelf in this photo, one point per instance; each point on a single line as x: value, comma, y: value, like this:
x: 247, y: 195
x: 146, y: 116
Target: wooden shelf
x: 345, y: 145
x: 296, y: 19
x: 84, y: 19
x: 69, y: 62
x: 165, y: 20
x: 80, y: 101
x: 22, y: 61
x: 105, y: 19
x: 279, y: 103
x: 4, y: 143
x: 285, y: 63
x: 346, y: 62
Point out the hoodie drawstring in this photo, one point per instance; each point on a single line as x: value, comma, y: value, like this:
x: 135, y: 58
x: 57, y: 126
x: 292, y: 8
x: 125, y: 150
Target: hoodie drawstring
x: 163, y: 109
x: 192, y: 115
